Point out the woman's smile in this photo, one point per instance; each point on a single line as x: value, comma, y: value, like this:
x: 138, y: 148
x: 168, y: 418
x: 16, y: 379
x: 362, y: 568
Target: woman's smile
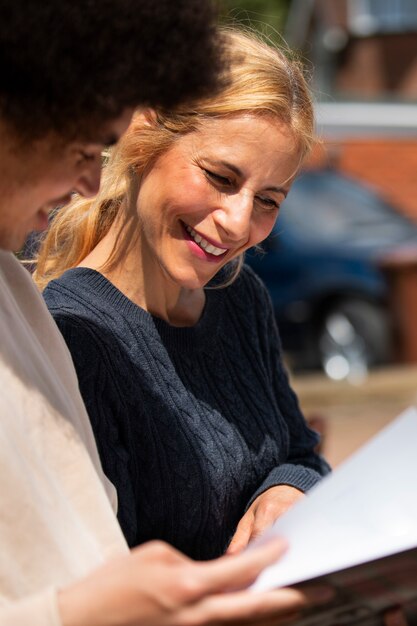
x: 202, y: 247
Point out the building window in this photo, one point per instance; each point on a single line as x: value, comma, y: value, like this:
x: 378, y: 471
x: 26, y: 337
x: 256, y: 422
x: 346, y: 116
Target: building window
x: 370, y: 17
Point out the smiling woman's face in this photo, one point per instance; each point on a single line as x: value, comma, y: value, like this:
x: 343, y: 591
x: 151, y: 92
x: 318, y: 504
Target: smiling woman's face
x: 213, y: 195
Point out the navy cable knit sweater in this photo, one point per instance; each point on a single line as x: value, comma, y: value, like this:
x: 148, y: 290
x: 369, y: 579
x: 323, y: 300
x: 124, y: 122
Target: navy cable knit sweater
x: 191, y: 423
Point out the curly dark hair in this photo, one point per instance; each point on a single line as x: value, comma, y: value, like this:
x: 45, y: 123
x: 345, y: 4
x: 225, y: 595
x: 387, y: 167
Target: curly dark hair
x: 68, y: 66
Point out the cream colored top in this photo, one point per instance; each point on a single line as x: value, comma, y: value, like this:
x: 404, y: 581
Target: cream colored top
x: 56, y: 520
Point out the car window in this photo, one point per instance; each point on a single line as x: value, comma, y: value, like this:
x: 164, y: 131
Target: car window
x: 325, y: 207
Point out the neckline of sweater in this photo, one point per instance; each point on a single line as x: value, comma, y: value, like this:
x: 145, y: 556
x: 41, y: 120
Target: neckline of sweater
x: 194, y: 337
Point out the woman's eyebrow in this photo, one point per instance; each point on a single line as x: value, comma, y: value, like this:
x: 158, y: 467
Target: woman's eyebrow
x: 226, y: 164
x: 239, y: 173
x: 278, y: 190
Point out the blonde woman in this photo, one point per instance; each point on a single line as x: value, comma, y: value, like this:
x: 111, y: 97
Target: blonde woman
x: 175, y: 346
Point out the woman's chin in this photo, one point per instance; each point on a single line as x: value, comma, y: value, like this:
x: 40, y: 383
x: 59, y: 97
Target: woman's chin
x: 192, y: 281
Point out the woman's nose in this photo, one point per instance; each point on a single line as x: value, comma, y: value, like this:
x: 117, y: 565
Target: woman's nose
x: 235, y: 216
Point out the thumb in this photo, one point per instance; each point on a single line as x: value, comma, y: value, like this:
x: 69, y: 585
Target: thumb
x: 242, y: 535
x: 240, y: 570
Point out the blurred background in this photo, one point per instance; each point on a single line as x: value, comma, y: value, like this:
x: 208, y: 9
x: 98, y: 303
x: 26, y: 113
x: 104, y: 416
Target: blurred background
x: 341, y: 264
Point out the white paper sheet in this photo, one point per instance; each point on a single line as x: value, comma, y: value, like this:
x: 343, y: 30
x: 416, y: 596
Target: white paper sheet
x: 365, y: 509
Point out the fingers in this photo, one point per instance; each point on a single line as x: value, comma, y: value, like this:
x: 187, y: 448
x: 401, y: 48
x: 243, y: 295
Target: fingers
x: 262, y: 513
x: 252, y: 525
x: 263, y: 609
x: 263, y: 520
x: 239, y: 571
x: 242, y: 535
x: 161, y: 552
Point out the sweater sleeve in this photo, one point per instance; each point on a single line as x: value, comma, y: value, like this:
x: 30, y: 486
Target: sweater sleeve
x: 95, y: 354
x: 36, y: 610
x: 303, y: 467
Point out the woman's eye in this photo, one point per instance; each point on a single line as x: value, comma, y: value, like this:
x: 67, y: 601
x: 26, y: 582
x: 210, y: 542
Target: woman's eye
x: 268, y: 203
x: 220, y: 180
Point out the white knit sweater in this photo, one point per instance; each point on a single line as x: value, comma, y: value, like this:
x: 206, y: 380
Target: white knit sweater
x: 56, y: 519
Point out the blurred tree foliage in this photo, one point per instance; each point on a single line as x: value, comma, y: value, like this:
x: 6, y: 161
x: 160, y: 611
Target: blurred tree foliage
x: 265, y: 16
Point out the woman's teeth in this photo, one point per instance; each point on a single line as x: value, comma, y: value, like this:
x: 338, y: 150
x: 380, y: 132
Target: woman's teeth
x: 205, y: 245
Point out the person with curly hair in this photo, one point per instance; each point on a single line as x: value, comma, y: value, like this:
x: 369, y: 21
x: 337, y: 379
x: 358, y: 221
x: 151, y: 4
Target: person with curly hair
x: 72, y: 71
x: 183, y: 381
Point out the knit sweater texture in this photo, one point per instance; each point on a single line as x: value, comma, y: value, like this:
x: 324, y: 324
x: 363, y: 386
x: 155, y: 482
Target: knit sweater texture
x: 56, y: 520
x: 192, y: 423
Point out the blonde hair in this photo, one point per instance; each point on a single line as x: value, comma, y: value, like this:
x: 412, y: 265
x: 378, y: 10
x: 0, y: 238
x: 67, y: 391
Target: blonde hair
x: 261, y: 80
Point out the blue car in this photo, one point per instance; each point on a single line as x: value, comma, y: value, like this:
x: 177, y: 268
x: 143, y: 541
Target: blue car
x: 321, y: 268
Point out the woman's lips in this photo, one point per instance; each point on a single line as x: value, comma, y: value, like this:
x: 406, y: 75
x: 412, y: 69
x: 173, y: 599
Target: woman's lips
x: 207, y: 244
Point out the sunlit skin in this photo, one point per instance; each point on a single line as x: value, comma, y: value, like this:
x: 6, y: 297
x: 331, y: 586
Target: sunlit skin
x: 176, y: 591
x: 226, y: 182
x: 36, y: 178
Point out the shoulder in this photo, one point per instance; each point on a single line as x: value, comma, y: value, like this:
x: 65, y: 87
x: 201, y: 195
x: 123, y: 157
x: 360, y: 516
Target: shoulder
x: 77, y: 294
x: 62, y: 292
x: 16, y: 280
x: 23, y: 333
x: 92, y: 313
x: 19, y: 292
x: 73, y: 305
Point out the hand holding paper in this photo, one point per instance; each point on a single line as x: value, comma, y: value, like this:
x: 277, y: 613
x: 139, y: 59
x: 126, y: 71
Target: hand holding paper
x: 263, y: 512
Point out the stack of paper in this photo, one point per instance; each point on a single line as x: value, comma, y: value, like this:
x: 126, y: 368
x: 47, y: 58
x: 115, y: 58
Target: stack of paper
x: 364, y: 511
